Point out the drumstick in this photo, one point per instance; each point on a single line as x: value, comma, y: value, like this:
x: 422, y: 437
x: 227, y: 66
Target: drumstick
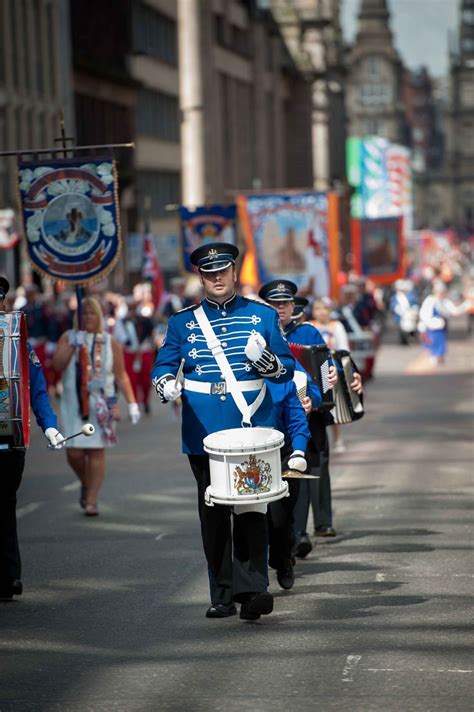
x: 297, y: 475
x: 87, y: 429
x: 180, y: 371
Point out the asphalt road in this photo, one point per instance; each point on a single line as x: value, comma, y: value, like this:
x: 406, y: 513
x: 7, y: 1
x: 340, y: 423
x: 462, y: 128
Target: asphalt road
x: 112, y: 617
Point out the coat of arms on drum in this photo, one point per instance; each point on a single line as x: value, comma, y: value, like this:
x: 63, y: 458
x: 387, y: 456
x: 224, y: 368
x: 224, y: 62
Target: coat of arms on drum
x: 253, y: 476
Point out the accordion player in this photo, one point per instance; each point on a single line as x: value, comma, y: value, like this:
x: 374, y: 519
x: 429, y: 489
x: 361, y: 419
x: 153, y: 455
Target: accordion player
x: 349, y: 405
x: 315, y: 359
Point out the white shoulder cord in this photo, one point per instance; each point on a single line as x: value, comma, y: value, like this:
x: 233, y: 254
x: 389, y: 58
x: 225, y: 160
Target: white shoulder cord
x: 217, y: 351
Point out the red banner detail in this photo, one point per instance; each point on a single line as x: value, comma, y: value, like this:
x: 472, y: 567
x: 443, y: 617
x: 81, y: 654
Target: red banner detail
x: 62, y: 174
x: 74, y: 268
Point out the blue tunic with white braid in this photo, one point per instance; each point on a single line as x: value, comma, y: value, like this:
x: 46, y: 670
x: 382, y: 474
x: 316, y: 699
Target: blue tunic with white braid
x: 233, y: 322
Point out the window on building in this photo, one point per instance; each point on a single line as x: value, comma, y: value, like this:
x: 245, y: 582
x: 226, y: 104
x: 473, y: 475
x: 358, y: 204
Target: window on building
x: 18, y: 127
x: 371, y: 127
x: 269, y: 52
x: 50, y: 33
x: 468, y: 44
x: 240, y: 41
x: 158, y: 115
x: 271, y: 144
x: 219, y: 30
x: 154, y: 34
x: 375, y: 94
x: 14, y: 39
x: 30, y: 128
x: 38, y: 47
x: 26, y: 45
x: 161, y: 187
x: 373, y: 68
x: 468, y: 16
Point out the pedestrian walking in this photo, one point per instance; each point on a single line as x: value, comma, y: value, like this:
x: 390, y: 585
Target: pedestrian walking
x: 435, y: 312
x: 104, y: 369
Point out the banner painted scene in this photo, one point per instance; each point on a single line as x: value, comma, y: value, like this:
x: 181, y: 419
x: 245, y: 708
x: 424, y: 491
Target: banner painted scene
x: 71, y: 217
x: 289, y: 237
x: 215, y: 223
x: 378, y: 249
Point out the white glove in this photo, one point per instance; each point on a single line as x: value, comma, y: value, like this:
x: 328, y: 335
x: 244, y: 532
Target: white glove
x: 297, y: 461
x: 255, y: 347
x: 134, y: 413
x: 55, y: 438
x: 172, y: 390
x: 77, y: 338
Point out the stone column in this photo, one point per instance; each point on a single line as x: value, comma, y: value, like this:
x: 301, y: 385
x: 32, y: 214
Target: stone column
x: 191, y: 93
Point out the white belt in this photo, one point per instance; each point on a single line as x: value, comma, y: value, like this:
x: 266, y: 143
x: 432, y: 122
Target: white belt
x: 220, y: 387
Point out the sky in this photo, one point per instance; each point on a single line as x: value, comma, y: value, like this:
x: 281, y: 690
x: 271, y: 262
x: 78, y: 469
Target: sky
x: 420, y: 29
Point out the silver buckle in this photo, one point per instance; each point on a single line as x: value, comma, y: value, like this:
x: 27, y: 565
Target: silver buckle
x: 219, y: 388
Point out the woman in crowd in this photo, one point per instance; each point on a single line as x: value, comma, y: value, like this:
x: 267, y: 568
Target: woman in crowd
x: 434, y: 314
x: 102, y: 366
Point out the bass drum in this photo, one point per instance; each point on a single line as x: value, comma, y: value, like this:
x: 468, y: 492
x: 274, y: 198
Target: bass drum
x: 14, y: 382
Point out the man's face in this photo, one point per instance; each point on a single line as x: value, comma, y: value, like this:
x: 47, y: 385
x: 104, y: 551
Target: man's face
x: 284, y: 309
x: 219, y: 285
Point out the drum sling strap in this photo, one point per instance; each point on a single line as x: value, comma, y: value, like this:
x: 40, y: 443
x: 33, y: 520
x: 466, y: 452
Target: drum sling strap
x: 247, y: 410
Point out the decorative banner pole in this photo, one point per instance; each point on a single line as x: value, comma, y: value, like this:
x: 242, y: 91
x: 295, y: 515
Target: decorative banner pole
x: 71, y: 219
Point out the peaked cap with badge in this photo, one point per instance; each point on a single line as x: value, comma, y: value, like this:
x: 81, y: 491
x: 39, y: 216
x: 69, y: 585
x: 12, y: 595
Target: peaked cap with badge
x: 278, y: 290
x: 300, y: 305
x: 214, y: 256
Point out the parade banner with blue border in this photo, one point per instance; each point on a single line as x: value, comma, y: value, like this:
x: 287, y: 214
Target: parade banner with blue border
x: 287, y: 237
x: 71, y: 217
x: 215, y: 223
x: 378, y: 249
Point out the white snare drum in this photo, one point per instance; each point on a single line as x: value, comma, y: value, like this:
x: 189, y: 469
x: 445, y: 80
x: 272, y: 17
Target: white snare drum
x: 245, y: 466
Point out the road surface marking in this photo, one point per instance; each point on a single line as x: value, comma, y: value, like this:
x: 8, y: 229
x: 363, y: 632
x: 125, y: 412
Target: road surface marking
x: 380, y: 577
x: 160, y: 536
x: 28, y: 508
x: 412, y: 670
x: 349, y: 667
x: 71, y: 487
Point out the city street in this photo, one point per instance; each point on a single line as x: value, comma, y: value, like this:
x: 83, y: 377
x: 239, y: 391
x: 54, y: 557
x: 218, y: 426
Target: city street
x: 112, y: 615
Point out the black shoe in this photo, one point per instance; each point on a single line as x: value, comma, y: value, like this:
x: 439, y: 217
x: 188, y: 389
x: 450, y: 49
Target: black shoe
x: 82, y: 498
x: 146, y: 408
x: 303, y: 547
x: 17, y: 587
x: 325, y: 531
x: 286, y: 577
x: 220, y: 610
x: 6, y: 594
x: 259, y: 604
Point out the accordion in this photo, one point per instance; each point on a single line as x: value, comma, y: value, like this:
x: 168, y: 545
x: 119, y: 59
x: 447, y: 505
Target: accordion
x: 315, y: 360
x: 349, y: 405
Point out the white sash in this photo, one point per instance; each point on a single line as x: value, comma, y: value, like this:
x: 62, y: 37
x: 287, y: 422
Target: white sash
x: 247, y: 410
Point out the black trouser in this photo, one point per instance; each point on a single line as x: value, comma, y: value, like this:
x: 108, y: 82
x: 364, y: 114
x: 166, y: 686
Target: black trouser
x: 281, y: 522
x: 12, y: 463
x: 237, y: 560
x: 316, y: 492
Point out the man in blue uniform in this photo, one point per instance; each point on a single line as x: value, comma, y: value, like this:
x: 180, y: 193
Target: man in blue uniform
x: 220, y: 393
x: 12, y: 462
x: 293, y: 401
x: 280, y: 294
